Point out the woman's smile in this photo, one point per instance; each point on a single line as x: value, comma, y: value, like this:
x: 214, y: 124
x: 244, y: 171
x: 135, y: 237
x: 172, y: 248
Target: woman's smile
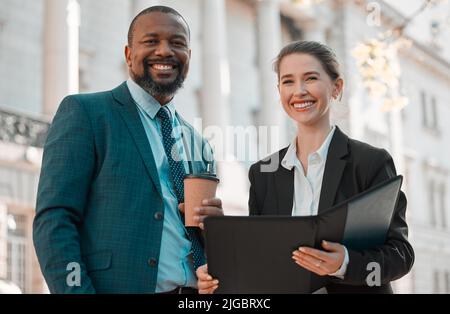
x: 302, y: 106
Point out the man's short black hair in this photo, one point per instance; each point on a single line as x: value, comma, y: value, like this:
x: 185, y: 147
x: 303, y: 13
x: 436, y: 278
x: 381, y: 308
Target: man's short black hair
x: 156, y: 8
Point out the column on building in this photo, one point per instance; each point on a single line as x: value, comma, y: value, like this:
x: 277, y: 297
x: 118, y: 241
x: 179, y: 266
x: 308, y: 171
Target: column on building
x: 269, y: 44
x: 215, y: 107
x: 215, y: 88
x: 61, y: 52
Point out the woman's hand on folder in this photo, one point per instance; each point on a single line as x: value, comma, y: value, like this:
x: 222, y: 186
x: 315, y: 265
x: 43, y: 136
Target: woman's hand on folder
x: 210, y: 207
x: 205, y: 283
x: 321, y: 262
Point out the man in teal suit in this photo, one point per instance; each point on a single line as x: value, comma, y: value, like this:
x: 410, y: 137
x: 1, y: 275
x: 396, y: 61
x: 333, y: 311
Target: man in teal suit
x: 107, y: 214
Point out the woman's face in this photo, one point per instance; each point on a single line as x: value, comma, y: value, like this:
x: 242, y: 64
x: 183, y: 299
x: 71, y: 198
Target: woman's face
x: 306, y: 89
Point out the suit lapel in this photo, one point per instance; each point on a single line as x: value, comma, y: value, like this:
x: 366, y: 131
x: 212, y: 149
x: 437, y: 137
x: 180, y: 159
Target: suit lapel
x: 131, y: 117
x: 284, y: 186
x: 334, y: 169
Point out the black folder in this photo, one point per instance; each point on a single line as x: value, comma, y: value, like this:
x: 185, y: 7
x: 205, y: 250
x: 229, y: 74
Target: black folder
x: 253, y: 254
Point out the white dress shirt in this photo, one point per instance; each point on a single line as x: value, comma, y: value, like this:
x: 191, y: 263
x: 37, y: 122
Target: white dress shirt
x: 307, y: 187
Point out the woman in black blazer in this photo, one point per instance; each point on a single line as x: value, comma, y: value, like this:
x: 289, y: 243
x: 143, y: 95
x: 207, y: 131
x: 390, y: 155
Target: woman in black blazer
x: 320, y: 168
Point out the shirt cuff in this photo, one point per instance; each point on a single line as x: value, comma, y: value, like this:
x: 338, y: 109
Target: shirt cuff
x: 340, y: 273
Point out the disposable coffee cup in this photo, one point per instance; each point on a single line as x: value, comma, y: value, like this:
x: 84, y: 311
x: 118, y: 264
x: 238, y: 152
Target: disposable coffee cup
x: 197, y: 187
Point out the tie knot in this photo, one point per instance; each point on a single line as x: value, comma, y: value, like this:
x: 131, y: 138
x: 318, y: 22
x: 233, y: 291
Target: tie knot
x: 162, y: 113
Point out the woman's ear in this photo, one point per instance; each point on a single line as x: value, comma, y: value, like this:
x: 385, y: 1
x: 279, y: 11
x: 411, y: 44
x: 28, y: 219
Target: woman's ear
x: 338, y: 88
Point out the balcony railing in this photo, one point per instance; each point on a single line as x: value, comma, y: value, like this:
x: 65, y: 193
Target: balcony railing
x: 21, y: 129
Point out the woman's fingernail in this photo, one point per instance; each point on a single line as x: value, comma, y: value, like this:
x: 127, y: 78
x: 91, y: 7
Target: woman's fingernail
x: 216, y: 282
x: 209, y: 278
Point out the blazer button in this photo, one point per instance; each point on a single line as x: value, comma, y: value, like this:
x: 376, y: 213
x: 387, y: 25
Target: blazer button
x: 152, y: 262
x: 158, y: 215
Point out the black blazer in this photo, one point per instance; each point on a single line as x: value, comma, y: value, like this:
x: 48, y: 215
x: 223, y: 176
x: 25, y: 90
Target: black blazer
x: 351, y: 168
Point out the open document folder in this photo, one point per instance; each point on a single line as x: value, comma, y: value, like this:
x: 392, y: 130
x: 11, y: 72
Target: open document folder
x: 253, y: 254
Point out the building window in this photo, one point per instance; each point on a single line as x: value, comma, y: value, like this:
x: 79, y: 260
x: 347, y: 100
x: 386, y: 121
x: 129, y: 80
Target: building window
x: 292, y: 28
x: 431, y: 202
x: 434, y: 115
x: 429, y: 112
x: 423, y: 101
x: 16, y: 262
x: 436, y: 196
x: 443, y: 209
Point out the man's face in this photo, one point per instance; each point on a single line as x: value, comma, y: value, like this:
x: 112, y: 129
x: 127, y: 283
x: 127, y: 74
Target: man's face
x: 158, y: 58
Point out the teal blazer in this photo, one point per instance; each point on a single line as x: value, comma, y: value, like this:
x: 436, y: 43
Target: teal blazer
x: 99, y: 201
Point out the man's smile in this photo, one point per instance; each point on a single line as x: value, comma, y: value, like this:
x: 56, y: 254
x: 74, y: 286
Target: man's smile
x: 163, y: 69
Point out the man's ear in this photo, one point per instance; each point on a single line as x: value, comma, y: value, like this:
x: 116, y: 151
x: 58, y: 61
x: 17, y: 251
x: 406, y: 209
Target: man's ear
x: 128, y: 55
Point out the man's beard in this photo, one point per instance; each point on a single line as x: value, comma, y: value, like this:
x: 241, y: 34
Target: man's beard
x: 159, y: 89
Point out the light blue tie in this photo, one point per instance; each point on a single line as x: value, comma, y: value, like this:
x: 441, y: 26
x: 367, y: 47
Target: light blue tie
x: 177, y: 174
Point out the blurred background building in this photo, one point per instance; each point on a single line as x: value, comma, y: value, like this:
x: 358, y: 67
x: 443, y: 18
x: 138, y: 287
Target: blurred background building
x: 397, y: 96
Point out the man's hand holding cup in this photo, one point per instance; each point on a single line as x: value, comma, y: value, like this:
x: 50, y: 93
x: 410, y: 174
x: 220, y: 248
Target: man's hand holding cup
x: 209, y: 207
